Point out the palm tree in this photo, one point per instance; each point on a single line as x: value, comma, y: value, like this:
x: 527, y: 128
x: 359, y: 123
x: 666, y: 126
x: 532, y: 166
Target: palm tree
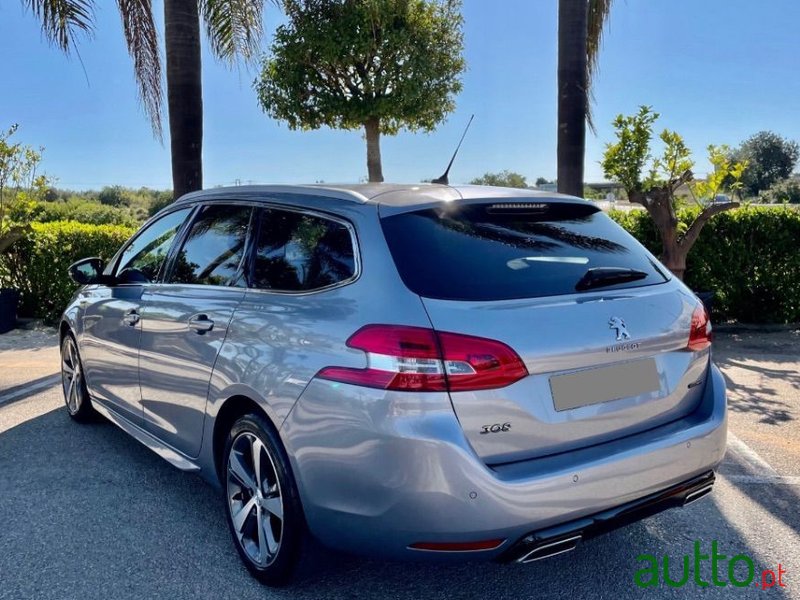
x: 580, y: 30
x: 233, y: 27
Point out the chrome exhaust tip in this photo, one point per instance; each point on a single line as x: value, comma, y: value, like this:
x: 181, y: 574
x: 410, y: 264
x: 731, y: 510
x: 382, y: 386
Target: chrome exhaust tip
x: 697, y: 494
x: 549, y: 549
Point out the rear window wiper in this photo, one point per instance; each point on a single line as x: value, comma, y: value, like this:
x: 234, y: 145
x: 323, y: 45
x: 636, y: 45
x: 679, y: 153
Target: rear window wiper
x: 605, y: 276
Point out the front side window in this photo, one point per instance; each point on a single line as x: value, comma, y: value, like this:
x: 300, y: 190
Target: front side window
x: 142, y: 259
x: 297, y: 252
x: 214, y: 246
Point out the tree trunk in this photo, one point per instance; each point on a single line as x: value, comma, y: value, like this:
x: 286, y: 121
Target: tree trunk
x: 673, y: 256
x: 372, y: 127
x: 572, y: 94
x: 660, y: 206
x: 184, y: 94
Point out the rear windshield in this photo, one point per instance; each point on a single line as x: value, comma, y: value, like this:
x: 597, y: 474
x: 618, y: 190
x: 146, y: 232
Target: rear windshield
x: 504, y: 251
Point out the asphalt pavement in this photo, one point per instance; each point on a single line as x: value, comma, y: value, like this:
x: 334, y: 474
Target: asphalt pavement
x: 87, y: 512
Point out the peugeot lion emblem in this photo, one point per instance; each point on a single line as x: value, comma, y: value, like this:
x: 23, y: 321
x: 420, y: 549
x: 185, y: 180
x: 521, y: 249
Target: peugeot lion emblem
x: 619, y: 325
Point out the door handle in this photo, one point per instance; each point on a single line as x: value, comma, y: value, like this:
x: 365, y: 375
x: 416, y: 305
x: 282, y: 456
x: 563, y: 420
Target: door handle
x: 201, y: 324
x: 131, y: 317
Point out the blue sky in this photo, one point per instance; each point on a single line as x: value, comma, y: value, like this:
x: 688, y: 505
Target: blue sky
x: 717, y: 71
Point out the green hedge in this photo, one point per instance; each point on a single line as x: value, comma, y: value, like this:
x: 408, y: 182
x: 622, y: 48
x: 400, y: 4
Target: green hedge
x: 37, y: 264
x: 750, y: 258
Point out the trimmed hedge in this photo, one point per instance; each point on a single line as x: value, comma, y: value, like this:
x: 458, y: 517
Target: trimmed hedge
x: 37, y: 264
x: 750, y: 258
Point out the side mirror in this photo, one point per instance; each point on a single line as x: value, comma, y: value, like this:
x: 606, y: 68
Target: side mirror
x: 87, y: 271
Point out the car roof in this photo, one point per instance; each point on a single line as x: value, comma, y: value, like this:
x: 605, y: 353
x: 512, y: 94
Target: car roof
x: 384, y: 194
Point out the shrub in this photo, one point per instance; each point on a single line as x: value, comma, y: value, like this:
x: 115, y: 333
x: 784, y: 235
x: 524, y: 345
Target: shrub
x: 787, y: 190
x: 748, y: 257
x: 36, y: 265
x: 84, y: 212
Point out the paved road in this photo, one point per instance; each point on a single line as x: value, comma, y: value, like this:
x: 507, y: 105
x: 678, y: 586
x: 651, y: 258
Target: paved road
x: 86, y: 512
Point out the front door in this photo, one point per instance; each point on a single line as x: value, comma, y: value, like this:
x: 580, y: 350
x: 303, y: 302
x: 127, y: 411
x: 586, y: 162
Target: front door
x: 185, y: 321
x: 112, y: 317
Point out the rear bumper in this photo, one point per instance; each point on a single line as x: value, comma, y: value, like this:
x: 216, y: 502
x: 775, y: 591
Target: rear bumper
x: 378, y: 472
x: 542, y: 544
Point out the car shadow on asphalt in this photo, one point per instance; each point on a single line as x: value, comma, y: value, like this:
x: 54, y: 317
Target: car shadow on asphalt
x: 88, y: 512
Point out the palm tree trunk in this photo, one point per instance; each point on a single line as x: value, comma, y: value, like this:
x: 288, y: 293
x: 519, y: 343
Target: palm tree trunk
x: 572, y: 94
x: 184, y: 94
x: 373, y: 134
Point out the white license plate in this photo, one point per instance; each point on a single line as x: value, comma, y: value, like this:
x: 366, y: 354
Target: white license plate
x: 603, y: 384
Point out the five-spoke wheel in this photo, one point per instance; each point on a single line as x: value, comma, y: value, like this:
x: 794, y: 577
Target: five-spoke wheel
x: 262, y: 504
x: 254, y: 497
x: 73, y: 383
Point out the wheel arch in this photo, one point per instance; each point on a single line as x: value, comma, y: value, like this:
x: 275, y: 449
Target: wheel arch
x: 231, y: 409
x: 63, y: 329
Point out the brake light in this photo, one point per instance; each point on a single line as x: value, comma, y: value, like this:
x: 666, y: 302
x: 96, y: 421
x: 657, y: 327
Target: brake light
x: 700, y: 335
x: 424, y: 360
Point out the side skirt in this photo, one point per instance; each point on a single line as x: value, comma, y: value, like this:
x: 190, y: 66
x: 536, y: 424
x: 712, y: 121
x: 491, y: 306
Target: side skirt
x: 168, y: 453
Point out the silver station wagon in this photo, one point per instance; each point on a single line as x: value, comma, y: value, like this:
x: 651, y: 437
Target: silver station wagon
x: 402, y: 370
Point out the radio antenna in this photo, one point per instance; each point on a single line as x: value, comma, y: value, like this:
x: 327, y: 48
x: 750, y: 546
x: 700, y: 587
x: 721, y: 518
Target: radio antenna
x: 443, y: 180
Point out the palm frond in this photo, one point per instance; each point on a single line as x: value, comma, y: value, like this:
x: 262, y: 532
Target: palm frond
x: 234, y: 27
x: 62, y: 19
x: 141, y: 37
x: 599, y: 11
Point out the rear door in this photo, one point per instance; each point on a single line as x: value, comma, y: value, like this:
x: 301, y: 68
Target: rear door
x: 185, y: 321
x: 606, y: 357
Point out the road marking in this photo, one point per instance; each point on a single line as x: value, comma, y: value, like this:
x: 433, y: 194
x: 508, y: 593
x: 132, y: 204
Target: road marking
x: 764, y: 474
x: 750, y: 456
x: 762, y: 480
x: 29, y: 390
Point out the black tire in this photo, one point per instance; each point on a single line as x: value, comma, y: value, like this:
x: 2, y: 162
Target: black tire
x: 278, y: 568
x: 76, y: 395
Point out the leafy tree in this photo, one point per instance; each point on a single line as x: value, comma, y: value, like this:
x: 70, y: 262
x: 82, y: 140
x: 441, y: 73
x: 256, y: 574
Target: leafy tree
x: 21, y: 185
x: 787, y: 190
x: 233, y: 28
x: 112, y: 196
x: 503, y: 179
x: 580, y: 30
x: 378, y: 64
x: 769, y: 157
x: 542, y: 181
x: 652, y: 182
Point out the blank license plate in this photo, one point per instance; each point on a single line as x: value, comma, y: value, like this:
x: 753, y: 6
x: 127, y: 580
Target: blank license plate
x: 603, y: 384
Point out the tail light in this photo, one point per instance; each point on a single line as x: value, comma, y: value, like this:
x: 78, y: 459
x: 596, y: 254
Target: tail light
x: 700, y: 333
x: 424, y: 360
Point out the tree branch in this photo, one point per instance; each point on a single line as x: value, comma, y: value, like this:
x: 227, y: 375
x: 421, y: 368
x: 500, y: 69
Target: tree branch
x: 691, y: 235
x: 637, y: 197
x: 685, y: 177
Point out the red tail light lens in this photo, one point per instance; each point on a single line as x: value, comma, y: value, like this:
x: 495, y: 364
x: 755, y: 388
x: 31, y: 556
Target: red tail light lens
x: 700, y: 333
x: 474, y: 363
x: 420, y: 359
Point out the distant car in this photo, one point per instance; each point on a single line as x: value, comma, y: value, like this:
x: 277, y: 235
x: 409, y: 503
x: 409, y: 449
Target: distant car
x: 402, y: 371
x: 722, y: 199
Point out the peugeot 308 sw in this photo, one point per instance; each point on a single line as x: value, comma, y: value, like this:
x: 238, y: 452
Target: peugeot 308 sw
x: 407, y: 371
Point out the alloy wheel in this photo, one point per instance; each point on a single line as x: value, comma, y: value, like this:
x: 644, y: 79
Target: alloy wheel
x: 255, y: 501
x: 71, y: 376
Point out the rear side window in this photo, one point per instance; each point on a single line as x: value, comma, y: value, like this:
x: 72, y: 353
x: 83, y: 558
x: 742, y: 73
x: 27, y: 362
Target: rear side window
x: 214, y: 246
x: 297, y: 252
x: 504, y: 251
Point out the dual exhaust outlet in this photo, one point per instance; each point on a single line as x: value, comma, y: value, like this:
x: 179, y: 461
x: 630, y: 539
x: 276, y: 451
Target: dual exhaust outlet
x: 554, y: 546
